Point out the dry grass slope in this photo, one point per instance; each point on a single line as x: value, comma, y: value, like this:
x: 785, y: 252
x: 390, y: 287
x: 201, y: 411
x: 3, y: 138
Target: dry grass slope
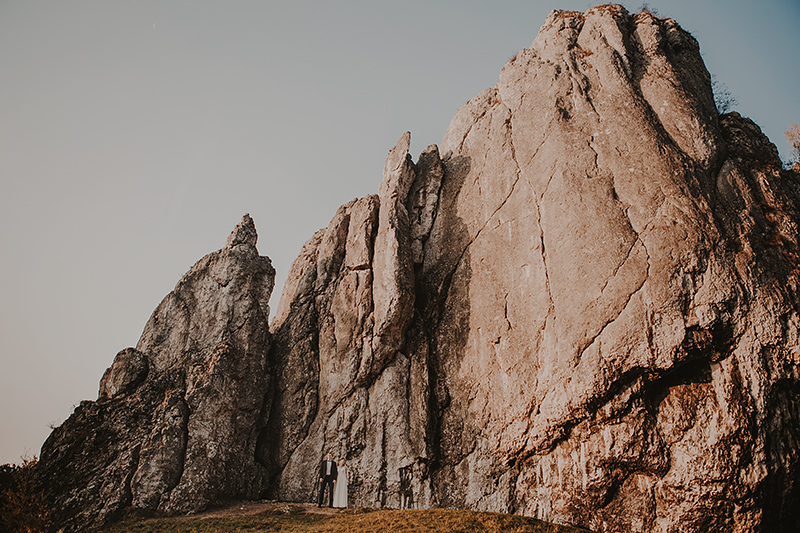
x: 294, y: 519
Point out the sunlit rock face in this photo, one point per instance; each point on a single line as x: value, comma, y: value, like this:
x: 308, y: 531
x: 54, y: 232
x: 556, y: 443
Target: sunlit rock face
x: 176, y: 421
x: 346, y: 382
x: 581, y: 306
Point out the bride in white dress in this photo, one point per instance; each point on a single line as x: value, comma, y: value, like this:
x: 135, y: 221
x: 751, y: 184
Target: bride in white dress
x: 340, y: 492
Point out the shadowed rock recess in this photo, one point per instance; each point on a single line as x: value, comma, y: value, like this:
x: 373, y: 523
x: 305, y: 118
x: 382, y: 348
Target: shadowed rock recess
x: 582, y: 307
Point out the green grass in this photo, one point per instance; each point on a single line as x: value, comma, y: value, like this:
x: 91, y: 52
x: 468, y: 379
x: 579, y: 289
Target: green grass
x: 296, y: 520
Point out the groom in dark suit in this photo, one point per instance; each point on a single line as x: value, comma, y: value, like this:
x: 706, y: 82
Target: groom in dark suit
x: 327, y: 478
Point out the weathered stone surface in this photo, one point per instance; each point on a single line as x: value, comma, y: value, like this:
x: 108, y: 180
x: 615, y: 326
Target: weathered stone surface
x: 122, y: 377
x: 392, y: 262
x: 614, y: 336
x: 423, y: 198
x: 604, y: 329
x: 345, y: 382
x: 176, y: 421
x: 162, y: 453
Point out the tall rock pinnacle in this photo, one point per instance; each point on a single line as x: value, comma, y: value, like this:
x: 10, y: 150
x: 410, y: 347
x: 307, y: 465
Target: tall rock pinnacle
x: 243, y: 233
x: 176, y: 421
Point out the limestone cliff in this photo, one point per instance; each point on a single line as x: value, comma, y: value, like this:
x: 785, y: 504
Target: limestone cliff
x: 604, y: 329
x: 582, y: 306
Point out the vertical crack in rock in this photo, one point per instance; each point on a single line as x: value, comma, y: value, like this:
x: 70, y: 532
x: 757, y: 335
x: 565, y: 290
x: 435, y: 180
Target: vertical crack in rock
x: 488, y: 220
x: 423, y: 199
x: 590, y: 341
x: 544, y: 260
x: 505, y: 312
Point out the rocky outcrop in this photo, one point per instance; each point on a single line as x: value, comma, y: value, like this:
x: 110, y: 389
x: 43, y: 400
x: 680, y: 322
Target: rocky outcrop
x: 620, y: 337
x: 176, y: 421
x: 345, y: 383
x: 583, y: 307
x: 603, y: 274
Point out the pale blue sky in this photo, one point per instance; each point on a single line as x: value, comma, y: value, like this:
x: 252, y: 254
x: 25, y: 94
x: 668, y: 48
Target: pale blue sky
x: 134, y: 135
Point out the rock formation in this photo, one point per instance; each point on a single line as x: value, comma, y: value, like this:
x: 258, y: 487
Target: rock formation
x: 604, y: 328
x: 582, y: 306
x: 345, y: 384
x: 176, y: 421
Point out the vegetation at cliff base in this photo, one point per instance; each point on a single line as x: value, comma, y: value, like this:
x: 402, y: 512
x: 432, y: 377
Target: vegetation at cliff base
x: 295, y: 519
x: 22, y: 506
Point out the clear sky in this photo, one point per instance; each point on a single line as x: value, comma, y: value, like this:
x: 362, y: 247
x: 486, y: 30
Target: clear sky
x: 134, y: 136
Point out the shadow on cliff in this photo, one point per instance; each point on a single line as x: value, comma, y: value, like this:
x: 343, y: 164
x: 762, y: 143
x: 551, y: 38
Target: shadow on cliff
x: 782, y: 490
x: 276, y: 440
x: 443, y: 312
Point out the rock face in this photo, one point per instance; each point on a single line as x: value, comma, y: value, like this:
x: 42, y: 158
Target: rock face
x: 583, y: 307
x: 344, y: 385
x: 176, y: 421
x: 584, y: 310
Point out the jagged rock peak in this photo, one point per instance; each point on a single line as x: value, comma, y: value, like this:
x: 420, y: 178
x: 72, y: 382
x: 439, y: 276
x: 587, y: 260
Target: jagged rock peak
x: 564, y: 18
x: 243, y: 233
x: 398, y: 171
x: 177, y: 418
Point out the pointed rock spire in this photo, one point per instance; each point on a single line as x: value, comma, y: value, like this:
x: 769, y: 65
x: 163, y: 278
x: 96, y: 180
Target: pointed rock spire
x: 243, y: 233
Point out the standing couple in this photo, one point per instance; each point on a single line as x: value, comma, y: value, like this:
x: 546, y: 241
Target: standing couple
x: 334, y: 478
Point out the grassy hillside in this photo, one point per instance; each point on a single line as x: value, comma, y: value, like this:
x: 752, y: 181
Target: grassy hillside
x: 306, y: 519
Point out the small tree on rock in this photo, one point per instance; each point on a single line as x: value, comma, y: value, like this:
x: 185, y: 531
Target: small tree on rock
x: 723, y: 98
x: 793, y: 135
